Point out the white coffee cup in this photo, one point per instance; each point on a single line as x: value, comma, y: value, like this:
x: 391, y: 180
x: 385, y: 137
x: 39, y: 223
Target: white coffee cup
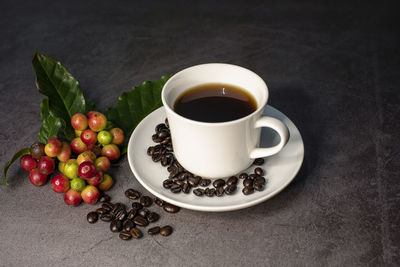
x: 217, y: 150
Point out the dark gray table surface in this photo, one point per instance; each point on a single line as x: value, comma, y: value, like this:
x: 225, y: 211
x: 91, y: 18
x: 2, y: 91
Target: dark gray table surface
x: 332, y: 68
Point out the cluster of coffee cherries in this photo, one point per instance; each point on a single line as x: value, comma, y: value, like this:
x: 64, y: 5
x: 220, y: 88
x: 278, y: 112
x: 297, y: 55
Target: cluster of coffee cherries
x: 82, y: 164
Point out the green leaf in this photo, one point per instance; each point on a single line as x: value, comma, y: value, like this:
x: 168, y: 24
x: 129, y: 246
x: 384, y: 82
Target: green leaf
x: 14, y: 158
x: 63, y: 95
x: 136, y: 104
x: 50, y: 128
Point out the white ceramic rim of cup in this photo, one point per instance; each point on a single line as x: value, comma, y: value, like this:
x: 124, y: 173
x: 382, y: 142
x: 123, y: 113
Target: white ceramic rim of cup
x: 260, y: 107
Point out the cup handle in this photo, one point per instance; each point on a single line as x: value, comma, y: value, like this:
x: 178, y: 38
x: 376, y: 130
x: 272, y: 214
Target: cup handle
x: 280, y: 128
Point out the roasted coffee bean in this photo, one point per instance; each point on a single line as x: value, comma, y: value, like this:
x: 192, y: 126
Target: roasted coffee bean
x: 198, y: 192
x: 155, y: 138
x: 186, y: 188
x: 101, y: 211
x: 136, y: 206
x: 167, y: 159
x: 176, y: 188
x: 107, y: 206
x: 232, y: 180
x: 131, y: 214
x: 117, y: 207
x: 259, y: 171
x: 152, y: 217
x: 180, y: 183
x: 124, y: 235
x: 104, y: 198
x: 154, y: 230
x: 259, y: 180
x: 173, y: 174
x: 258, y: 187
x: 143, y: 212
x: 210, y: 192
x: 92, y: 217
x: 170, y: 168
x: 159, y: 202
x: 136, y: 233
x: 166, y: 230
x: 247, y: 182
x: 166, y: 141
x: 116, y: 226
x: 169, y: 147
x: 162, y: 134
x: 106, y: 217
x: 205, y: 182
x: 247, y: 190
x: 132, y: 194
x: 157, y: 148
x: 243, y: 175
x: 194, y: 181
x: 156, y: 157
x: 218, y: 183
x: 252, y: 176
x: 166, y: 123
x: 168, y: 183
x: 183, y: 176
x: 139, y: 220
x: 171, y: 208
x: 121, y: 214
x: 230, y: 189
x: 128, y: 225
x: 259, y: 161
x: 220, y: 191
x: 146, y: 201
x: 150, y: 150
x: 160, y: 127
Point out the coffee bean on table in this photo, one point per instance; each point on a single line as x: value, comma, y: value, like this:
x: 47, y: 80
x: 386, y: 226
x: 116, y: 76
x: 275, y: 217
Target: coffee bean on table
x: 166, y: 230
x: 117, y: 207
x: 116, y: 226
x: 128, y: 225
x: 171, y: 208
x: 101, y: 211
x: 159, y: 202
x: 143, y: 212
x: 205, y: 182
x: 106, y: 217
x: 121, y: 214
x: 247, y: 182
x: 230, y: 189
x: 92, y: 217
x: 218, y: 183
x: 132, y: 194
x: 259, y: 180
x: 131, y: 214
x: 104, y: 198
x: 125, y: 235
x: 198, y: 192
x: 186, y: 188
x: 243, y: 175
x: 194, y: 181
x: 140, y: 221
x: 258, y: 187
x: 152, y: 217
x: 107, y: 206
x: 220, y: 191
x: 259, y: 171
x: 259, y: 161
x: 146, y: 201
x: 136, y: 206
x: 232, y: 180
x: 248, y: 190
x: 154, y: 230
x: 136, y: 233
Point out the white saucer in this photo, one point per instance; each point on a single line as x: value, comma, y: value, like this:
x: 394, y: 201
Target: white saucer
x: 280, y: 168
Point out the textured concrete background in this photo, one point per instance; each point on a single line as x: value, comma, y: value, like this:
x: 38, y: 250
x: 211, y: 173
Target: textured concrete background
x: 332, y: 68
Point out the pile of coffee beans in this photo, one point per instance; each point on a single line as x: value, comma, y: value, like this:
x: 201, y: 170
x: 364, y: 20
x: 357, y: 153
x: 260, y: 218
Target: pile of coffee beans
x: 181, y: 180
x: 126, y: 221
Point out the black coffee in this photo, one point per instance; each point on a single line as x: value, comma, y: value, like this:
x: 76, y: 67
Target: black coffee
x: 215, y: 102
